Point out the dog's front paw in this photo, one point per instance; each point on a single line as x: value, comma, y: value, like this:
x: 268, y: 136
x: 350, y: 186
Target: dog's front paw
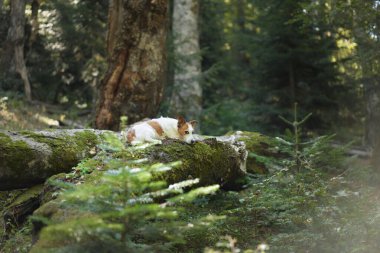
x: 158, y: 142
x: 153, y: 141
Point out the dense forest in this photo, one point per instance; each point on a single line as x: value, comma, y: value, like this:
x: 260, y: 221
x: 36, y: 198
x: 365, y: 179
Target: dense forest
x: 283, y: 96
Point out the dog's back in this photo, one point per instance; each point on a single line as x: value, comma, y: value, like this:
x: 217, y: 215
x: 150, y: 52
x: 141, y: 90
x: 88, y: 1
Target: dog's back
x: 155, y: 130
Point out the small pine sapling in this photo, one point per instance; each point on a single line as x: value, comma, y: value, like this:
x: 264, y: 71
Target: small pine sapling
x: 296, y: 131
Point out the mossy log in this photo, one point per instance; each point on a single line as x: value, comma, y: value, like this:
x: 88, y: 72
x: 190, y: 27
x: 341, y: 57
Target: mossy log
x: 221, y: 160
x: 210, y: 160
x: 28, y: 158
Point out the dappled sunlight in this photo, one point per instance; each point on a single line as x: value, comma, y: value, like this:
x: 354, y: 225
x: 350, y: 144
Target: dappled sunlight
x: 278, y: 103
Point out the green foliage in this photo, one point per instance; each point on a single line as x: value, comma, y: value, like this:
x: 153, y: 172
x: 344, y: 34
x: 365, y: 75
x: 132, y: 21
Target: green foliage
x: 72, y: 49
x: 225, y: 116
x: 316, y: 153
x: 259, y: 61
x: 66, y: 59
x: 86, y: 166
x: 296, y: 132
x: 20, y: 241
x: 126, y: 210
x: 293, y: 62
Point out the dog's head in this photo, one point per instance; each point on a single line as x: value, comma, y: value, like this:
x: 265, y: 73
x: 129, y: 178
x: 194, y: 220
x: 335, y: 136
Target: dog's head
x: 186, y: 129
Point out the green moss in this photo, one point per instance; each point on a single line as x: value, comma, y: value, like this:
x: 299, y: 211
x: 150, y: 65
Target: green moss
x: 29, y: 194
x: 210, y: 161
x: 13, y: 155
x: 86, y: 139
x: 21, y: 206
x: 69, y: 149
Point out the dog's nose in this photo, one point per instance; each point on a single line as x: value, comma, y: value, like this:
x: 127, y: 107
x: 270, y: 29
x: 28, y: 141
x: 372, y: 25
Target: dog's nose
x: 192, y: 141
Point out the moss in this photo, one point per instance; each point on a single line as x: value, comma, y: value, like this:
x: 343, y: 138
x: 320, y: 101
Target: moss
x: 12, y: 153
x: 15, y: 156
x: 69, y: 149
x: 20, y: 207
x: 87, y: 139
x: 29, y: 194
x: 211, y: 161
x: 6, y: 197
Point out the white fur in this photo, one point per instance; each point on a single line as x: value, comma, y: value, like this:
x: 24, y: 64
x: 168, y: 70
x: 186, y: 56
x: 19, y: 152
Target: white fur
x: 145, y: 133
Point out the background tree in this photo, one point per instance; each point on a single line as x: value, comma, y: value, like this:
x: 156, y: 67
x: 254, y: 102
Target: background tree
x: 13, y: 50
x: 356, y: 28
x: 186, y: 96
x: 226, y: 42
x: 293, y: 56
x: 35, y: 5
x: 249, y: 49
x: 134, y: 81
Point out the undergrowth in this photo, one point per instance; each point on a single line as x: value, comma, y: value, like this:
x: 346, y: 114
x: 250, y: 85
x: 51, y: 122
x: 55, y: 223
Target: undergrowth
x: 126, y: 210
x: 329, y: 205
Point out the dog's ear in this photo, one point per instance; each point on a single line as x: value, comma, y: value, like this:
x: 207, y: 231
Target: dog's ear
x: 193, y: 123
x: 181, y: 121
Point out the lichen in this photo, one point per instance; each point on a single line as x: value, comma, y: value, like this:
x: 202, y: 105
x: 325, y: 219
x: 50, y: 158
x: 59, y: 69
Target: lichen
x: 261, y: 148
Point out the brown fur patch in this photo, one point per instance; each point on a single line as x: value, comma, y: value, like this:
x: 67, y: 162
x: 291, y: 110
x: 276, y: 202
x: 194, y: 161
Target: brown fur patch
x: 182, y: 129
x: 131, y: 135
x: 193, y: 123
x: 181, y: 121
x: 156, y: 126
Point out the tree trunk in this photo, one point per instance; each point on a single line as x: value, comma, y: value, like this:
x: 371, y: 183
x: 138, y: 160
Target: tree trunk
x: 187, y: 93
x: 372, y: 135
x: 15, y: 42
x: 34, y: 21
x: 134, y: 81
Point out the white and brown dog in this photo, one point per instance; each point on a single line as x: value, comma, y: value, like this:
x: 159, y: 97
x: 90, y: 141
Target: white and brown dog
x: 155, y: 130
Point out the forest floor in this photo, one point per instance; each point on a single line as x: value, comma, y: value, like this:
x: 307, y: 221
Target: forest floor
x: 311, y: 211
x: 16, y: 114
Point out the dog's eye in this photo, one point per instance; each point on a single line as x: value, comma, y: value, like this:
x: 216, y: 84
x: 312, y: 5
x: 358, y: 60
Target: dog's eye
x: 186, y: 132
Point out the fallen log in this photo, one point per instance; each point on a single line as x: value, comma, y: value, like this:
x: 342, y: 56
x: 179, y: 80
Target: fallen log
x: 221, y: 160
x: 28, y: 158
x: 211, y: 161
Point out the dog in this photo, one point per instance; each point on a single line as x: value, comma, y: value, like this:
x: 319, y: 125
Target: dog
x: 155, y: 130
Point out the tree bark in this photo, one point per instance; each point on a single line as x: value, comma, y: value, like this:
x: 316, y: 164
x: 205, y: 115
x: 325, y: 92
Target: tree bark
x: 134, y: 81
x: 34, y: 22
x: 15, y: 43
x: 187, y: 93
x: 372, y: 136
